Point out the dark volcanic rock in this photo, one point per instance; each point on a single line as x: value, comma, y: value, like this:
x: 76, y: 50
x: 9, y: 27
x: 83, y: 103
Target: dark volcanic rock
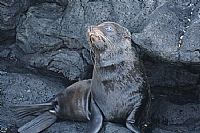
x: 69, y: 63
x: 163, y: 74
x: 56, y: 25
x: 114, y: 128
x: 171, y: 33
x: 122, y: 12
x: 60, y: 2
x: 176, y: 117
x: 75, y: 127
x: 190, y: 49
x: 35, y: 33
x: 10, y: 11
x: 50, y: 21
x: 9, y: 51
x: 46, y: 47
x: 24, y: 89
x: 66, y: 127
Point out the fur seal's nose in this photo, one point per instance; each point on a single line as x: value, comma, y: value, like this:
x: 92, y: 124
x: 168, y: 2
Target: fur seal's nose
x: 94, y: 38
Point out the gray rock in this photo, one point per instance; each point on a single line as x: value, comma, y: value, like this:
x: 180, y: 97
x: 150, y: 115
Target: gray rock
x: 166, y: 75
x: 171, y: 33
x: 171, y: 114
x: 7, y: 35
x: 174, y: 130
x: 9, y: 51
x: 190, y: 51
x: 79, y: 127
x: 71, y: 21
x: 66, y: 127
x: 51, y: 26
x: 161, y: 130
x: 63, y: 61
x: 41, y: 38
x: 16, y: 88
x: 60, y: 2
x: 122, y: 12
x: 114, y: 128
x: 10, y: 11
x: 175, y: 117
x: 37, y: 32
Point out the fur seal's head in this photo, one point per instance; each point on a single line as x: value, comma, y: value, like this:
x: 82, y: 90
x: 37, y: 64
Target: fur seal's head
x: 107, y: 35
x: 109, y: 42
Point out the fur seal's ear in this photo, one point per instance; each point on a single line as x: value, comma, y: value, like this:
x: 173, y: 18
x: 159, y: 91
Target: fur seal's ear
x: 124, y: 31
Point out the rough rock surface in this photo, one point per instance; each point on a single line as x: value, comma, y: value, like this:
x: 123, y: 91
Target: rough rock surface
x: 172, y: 32
x: 43, y: 41
x: 10, y: 13
x: 163, y: 74
x: 66, y: 127
x: 173, y: 116
x: 114, y: 128
x: 75, y: 127
x: 45, y: 47
x: 69, y: 63
x: 24, y: 88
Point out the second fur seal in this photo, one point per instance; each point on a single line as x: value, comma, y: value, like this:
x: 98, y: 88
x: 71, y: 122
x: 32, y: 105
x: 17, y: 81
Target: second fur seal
x: 117, y: 91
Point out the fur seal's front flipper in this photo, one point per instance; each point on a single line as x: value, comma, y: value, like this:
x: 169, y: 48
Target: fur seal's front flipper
x: 96, y: 118
x: 130, y: 122
x: 39, y: 123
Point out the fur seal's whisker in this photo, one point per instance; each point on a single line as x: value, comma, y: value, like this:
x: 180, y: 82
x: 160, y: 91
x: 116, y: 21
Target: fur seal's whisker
x: 91, y: 56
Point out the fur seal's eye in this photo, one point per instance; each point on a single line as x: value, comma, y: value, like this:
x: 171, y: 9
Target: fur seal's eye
x: 109, y: 28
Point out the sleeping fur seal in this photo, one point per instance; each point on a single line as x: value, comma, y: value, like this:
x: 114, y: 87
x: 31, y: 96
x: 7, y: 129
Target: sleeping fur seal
x: 117, y: 91
x: 117, y: 85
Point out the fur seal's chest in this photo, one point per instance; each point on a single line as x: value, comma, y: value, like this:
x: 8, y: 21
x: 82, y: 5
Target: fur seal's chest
x: 115, y: 89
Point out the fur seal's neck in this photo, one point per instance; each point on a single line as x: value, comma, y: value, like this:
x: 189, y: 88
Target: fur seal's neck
x: 109, y: 57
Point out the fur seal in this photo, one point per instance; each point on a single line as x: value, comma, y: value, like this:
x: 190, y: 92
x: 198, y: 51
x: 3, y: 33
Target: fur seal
x: 117, y: 91
x: 117, y: 85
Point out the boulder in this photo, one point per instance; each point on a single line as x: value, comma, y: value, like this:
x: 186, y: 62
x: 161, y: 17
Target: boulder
x: 171, y: 33
x: 166, y: 75
x: 176, y: 115
x: 69, y: 64
x: 114, y: 128
x: 16, y: 88
x: 10, y: 13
